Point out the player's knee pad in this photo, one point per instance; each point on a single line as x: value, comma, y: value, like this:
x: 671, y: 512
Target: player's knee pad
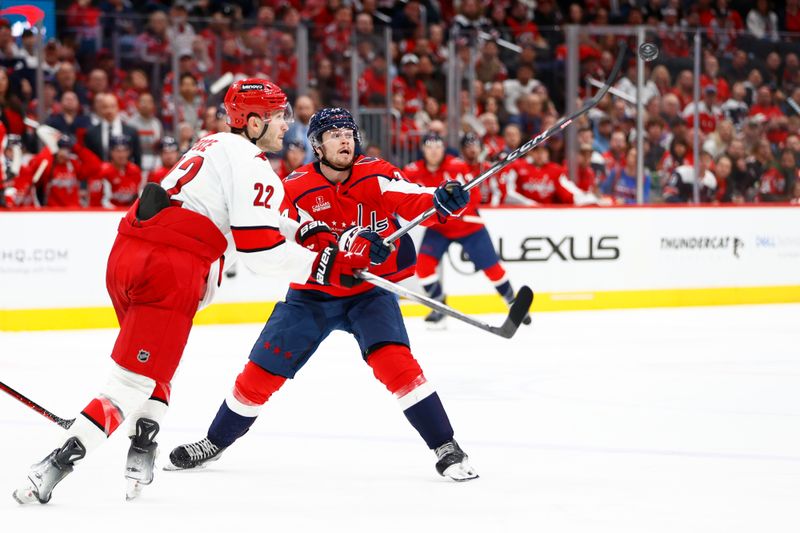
x: 496, y: 273
x: 252, y: 389
x: 395, y: 367
x: 426, y: 268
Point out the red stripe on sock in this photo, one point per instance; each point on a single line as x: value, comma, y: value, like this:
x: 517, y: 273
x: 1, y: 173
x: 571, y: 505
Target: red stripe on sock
x: 104, y: 414
x: 495, y: 272
x: 162, y: 392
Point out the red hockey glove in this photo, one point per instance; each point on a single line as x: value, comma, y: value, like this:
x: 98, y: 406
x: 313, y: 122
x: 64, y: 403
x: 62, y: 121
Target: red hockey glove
x: 338, y: 268
x: 315, y: 235
x: 358, y: 240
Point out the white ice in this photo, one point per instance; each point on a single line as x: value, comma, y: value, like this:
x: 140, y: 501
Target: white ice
x: 646, y: 421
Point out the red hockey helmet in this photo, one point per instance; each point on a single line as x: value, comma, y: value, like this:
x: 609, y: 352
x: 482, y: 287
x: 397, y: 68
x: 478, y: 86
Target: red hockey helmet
x: 253, y: 96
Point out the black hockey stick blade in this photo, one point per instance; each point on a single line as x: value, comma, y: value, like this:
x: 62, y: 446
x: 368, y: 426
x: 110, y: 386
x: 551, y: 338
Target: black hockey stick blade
x: 63, y: 422
x: 519, y: 310
x: 506, y: 330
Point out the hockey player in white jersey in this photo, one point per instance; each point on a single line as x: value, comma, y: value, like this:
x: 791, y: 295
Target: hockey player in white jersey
x: 221, y: 198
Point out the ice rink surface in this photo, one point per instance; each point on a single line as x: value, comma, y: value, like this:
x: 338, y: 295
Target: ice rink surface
x: 663, y: 420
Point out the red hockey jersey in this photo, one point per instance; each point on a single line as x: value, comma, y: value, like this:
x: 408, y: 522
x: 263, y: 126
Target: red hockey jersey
x: 374, y: 195
x: 452, y: 168
x: 113, y: 187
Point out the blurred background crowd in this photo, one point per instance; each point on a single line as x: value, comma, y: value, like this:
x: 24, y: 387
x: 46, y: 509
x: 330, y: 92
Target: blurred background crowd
x: 129, y: 86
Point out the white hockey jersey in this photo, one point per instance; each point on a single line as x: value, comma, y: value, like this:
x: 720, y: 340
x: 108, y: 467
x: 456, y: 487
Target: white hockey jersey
x: 229, y: 180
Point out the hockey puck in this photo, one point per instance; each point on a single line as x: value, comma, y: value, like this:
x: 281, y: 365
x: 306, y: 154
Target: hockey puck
x: 648, y: 51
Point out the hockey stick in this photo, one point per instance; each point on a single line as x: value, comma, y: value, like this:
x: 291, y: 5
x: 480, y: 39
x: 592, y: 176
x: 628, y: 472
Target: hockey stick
x: 525, y: 148
x: 63, y: 422
x: 507, y: 329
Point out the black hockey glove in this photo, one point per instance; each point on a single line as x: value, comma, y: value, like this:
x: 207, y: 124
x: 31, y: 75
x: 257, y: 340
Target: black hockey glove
x: 449, y: 198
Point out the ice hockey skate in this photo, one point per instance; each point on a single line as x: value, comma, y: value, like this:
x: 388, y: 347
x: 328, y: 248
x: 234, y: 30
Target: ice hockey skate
x: 195, y: 455
x: 44, y: 476
x: 453, y: 462
x: 141, y: 457
x: 436, y: 321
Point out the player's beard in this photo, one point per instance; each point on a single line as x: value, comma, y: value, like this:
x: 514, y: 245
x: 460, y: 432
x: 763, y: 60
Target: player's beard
x: 340, y: 161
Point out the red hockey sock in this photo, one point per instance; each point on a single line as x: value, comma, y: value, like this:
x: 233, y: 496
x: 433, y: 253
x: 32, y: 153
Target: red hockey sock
x: 426, y: 268
x: 496, y: 273
x: 254, y: 385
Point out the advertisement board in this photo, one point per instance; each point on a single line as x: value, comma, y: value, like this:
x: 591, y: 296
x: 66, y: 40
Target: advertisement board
x: 52, y: 264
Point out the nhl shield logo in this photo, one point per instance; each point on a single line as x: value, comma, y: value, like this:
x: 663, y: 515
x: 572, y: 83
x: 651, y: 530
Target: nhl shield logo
x: 143, y: 356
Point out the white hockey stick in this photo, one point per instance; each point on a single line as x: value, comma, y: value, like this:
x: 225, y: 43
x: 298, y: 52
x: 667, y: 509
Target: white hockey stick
x: 525, y: 148
x: 519, y: 309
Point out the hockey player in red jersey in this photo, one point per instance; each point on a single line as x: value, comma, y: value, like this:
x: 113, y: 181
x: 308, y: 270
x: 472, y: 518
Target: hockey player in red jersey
x: 348, y: 192
x: 222, y: 198
x: 170, y: 153
x: 61, y: 173
x: 467, y: 229
x: 118, y: 182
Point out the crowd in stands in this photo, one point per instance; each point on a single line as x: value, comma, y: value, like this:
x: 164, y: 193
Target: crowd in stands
x: 128, y: 89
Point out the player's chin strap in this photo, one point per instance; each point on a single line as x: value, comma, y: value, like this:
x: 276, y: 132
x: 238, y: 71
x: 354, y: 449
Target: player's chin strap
x: 255, y: 140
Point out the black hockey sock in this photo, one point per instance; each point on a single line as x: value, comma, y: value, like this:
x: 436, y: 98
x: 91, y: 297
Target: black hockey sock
x: 434, y: 290
x: 430, y: 419
x: 505, y: 290
x: 228, y: 426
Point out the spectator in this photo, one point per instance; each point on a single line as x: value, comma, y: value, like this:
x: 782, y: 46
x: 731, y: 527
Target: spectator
x: 722, y: 171
x: 96, y: 83
x: 522, y: 84
x: 409, y: 85
x: 718, y: 142
x: 187, y: 106
x: 329, y: 86
x: 739, y: 67
x: 711, y: 76
x: 492, y: 140
x: 655, y: 143
x: 169, y: 155
x: 489, y: 67
x: 735, y: 108
x: 679, y: 187
x: 621, y: 182
x: 180, y: 33
x: 530, y: 116
x: 433, y: 78
x: 778, y: 182
x: 684, y: 88
x: 70, y: 121
x: 762, y: 23
x: 758, y: 163
x: 11, y: 111
x: 372, y: 85
x: 617, y: 151
x: 709, y: 111
x: 602, y: 133
x: 767, y: 112
x: 98, y: 137
x: 293, y: 155
x: 298, y: 131
x: 187, y: 136
x: 8, y: 48
x: 153, y: 45
x: 118, y: 181
x: 740, y: 184
x: 67, y: 80
x: 149, y: 130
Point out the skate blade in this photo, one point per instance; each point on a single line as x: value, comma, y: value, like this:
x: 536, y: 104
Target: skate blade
x: 169, y: 467
x: 25, y: 496
x: 133, y: 490
x: 436, y: 326
x: 461, y: 472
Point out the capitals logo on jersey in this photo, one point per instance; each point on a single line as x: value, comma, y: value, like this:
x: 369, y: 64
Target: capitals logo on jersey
x: 374, y: 195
